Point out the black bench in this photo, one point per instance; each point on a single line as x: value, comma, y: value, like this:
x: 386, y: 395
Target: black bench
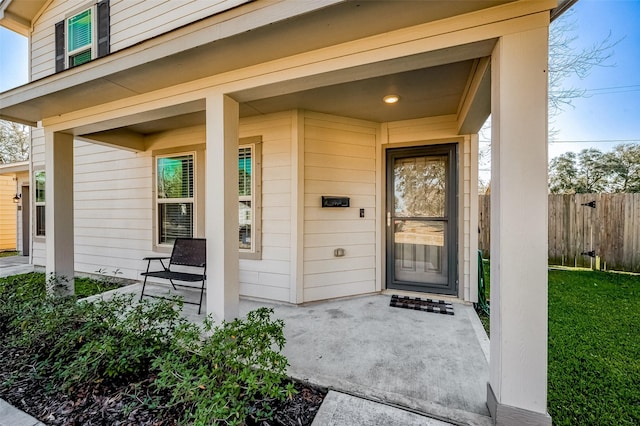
x: 186, y: 252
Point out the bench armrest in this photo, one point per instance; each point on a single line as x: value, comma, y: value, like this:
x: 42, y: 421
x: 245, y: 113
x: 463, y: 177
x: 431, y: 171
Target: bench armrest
x: 156, y: 258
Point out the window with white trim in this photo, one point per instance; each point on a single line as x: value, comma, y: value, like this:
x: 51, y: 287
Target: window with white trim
x: 175, y: 199
x: 80, y: 40
x: 249, y: 183
x: 83, y: 36
x: 39, y: 184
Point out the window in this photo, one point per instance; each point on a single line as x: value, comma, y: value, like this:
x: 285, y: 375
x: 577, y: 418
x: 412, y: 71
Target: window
x: 80, y: 38
x: 83, y: 36
x: 175, y: 197
x: 40, y: 212
x: 248, y: 198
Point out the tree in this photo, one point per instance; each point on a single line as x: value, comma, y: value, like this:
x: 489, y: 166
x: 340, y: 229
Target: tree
x: 625, y: 167
x: 592, y: 171
x: 565, y: 60
x: 14, y: 142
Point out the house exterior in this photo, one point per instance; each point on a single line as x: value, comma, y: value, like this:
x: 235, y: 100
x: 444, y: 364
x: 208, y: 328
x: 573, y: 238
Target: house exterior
x: 14, y: 211
x: 264, y: 127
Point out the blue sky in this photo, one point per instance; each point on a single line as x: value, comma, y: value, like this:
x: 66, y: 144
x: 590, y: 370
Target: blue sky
x: 610, y: 114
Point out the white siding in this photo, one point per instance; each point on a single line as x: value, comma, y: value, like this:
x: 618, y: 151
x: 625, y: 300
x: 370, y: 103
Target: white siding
x: 269, y: 278
x: 132, y: 21
x: 340, y: 160
x: 112, y: 209
x: 37, y: 160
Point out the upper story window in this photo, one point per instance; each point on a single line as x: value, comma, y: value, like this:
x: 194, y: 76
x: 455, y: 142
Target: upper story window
x: 80, y: 38
x: 83, y: 36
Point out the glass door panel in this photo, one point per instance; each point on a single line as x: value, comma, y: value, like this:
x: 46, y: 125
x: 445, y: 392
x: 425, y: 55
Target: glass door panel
x: 419, y: 251
x: 421, y: 219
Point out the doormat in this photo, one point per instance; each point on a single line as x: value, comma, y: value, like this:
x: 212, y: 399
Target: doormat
x: 418, y: 304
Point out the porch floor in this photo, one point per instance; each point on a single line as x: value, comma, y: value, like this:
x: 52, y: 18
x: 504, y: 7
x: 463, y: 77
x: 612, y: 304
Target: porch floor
x: 428, y: 363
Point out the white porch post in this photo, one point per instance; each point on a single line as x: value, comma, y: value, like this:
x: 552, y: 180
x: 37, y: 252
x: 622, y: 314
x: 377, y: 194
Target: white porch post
x: 517, y: 389
x: 59, y: 209
x: 221, y: 207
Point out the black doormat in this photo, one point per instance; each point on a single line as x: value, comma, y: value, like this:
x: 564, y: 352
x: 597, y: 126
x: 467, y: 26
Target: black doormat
x: 418, y: 304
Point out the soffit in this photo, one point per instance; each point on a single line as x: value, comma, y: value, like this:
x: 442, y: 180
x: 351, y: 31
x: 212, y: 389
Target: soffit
x: 164, y: 61
x: 18, y: 15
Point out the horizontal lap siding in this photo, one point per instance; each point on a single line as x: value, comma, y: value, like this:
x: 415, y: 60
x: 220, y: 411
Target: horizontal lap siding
x: 113, y: 209
x: 339, y: 160
x: 8, y: 211
x: 132, y: 21
x: 269, y: 278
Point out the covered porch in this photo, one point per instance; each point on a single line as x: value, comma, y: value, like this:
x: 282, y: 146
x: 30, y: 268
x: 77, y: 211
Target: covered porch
x: 451, y: 70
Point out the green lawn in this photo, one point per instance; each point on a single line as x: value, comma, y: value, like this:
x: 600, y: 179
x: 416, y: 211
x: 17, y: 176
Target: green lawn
x: 594, y: 347
x: 8, y: 253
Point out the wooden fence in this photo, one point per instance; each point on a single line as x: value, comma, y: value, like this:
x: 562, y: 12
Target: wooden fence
x: 611, y: 230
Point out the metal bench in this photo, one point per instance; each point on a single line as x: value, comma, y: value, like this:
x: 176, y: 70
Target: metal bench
x: 186, y: 252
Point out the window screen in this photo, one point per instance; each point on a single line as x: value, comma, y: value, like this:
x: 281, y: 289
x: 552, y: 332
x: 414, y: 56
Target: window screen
x: 175, y: 197
x: 80, y: 38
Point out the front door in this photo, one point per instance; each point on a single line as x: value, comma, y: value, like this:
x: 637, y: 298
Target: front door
x: 421, y: 219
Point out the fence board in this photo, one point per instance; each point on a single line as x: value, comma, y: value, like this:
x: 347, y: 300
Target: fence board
x: 612, y: 230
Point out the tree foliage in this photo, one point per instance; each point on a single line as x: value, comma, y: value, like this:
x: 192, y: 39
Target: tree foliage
x: 14, y: 142
x: 593, y: 171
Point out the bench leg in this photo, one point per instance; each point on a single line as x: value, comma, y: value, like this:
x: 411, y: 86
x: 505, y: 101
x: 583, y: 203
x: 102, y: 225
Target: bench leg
x: 172, y: 284
x: 201, y: 294
x: 143, y: 284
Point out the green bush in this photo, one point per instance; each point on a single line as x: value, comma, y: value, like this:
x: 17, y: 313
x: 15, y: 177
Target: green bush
x: 212, y: 373
x: 235, y: 372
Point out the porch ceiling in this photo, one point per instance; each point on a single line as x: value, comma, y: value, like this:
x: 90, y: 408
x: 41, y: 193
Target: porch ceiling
x: 430, y: 84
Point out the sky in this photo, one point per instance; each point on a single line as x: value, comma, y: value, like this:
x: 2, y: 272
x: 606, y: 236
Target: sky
x: 607, y: 116
x: 610, y: 113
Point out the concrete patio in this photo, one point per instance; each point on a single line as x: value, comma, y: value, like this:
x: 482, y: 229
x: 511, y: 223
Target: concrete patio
x: 411, y: 363
x: 427, y: 363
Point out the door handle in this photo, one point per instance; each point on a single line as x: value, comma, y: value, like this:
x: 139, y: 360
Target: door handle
x: 388, y: 218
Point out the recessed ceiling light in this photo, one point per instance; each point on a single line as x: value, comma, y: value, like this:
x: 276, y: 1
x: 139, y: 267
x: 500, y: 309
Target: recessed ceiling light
x: 391, y: 99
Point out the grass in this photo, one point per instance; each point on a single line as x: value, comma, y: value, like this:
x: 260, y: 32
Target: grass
x: 8, y: 253
x: 85, y: 287
x: 594, y: 347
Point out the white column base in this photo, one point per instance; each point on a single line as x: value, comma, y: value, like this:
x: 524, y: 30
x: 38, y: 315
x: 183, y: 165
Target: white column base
x: 506, y: 415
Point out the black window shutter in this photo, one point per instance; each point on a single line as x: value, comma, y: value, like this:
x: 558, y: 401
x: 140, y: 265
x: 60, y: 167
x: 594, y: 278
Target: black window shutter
x: 60, y: 46
x: 104, y: 41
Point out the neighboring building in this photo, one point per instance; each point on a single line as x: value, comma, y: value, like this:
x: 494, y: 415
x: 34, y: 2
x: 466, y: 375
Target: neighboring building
x: 14, y: 210
x: 232, y: 119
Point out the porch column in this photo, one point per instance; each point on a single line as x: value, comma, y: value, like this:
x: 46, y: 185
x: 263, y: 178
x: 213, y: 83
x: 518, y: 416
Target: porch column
x: 221, y: 207
x: 517, y: 389
x: 59, y: 210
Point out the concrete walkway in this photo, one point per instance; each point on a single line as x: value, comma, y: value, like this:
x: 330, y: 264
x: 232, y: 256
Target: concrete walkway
x: 14, y: 265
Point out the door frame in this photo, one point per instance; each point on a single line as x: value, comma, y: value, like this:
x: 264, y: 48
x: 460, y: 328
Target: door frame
x: 451, y: 149
x: 26, y: 220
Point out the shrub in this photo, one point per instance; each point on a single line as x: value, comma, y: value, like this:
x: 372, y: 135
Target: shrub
x: 235, y: 372
x: 222, y: 373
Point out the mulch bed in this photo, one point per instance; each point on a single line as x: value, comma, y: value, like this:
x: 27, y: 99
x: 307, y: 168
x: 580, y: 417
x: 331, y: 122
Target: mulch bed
x: 119, y: 404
